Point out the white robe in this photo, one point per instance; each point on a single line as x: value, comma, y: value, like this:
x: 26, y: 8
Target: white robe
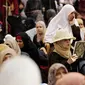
x: 60, y: 21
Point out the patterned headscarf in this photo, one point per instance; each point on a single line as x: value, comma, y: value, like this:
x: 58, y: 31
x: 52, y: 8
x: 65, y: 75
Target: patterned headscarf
x: 52, y: 73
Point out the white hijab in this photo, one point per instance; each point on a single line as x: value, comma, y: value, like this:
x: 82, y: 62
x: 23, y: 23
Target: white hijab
x: 60, y: 21
x: 20, y: 70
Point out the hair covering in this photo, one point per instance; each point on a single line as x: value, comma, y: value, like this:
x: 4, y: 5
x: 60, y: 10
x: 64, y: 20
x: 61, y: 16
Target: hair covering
x: 4, y: 50
x: 12, y: 43
x: 50, y: 13
x: 62, y: 34
x: 72, y: 79
x: 2, y: 47
x: 80, y: 21
x: 60, y: 21
x: 40, y: 37
x: 42, y: 23
x: 29, y: 46
x: 20, y: 71
x: 82, y: 30
x: 52, y: 73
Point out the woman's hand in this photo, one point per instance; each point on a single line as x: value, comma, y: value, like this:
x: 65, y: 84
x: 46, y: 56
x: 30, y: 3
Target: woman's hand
x: 72, y: 59
x: 43, y: 49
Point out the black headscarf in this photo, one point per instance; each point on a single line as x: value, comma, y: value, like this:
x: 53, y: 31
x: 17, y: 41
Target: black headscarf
x: 29, y: 47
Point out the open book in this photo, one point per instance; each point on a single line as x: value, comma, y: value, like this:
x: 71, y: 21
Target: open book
x: 79, y: 48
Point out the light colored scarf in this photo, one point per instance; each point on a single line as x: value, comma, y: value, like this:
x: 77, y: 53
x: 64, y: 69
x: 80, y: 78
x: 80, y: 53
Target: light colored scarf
x: 12, y: 43
x: 60, y: 21
x: 64, y: 52
x: 40, y: 37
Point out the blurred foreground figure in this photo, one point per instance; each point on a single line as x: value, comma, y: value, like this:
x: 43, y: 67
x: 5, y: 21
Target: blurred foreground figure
x: 20, y: 71
x: 72, y: 79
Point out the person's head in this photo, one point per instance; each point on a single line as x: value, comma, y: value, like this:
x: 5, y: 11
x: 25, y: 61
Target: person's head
x: 62, y: 43
x: 50, y: 13
x: 56, y: 71
x: 80, y: 22
x: 60, y: 21
x: 20, y: 41
x: 72, y: 78
x: 12, y: 43
x: 63, y: 38
x: 40, y: 27
x: 6, y: 52
x: 20, y: 71
x: 65, y: 43
x: 23, y: 39
x: 69, y: 11
x: 71, y: 16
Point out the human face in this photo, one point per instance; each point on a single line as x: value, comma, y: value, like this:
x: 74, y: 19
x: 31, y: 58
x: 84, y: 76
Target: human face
x: 64, y: 43
x: 20, y: 43
x: 60, y: 73
x: 71, y: 16
x: 81, y: 25
x: 39, y: 28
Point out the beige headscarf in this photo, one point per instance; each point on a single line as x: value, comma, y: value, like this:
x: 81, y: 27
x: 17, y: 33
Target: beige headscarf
x: 61, y: 50
x: 4, y: 50
x: 12, y: 43
x: 60, y: 21
x: 52, y: 73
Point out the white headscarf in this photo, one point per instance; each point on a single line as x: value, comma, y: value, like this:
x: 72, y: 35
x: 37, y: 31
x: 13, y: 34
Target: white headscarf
x: 60, y: 21
x: 21, y: 70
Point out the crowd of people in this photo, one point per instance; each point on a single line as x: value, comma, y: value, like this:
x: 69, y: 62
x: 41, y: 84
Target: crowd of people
x: 37, y: 43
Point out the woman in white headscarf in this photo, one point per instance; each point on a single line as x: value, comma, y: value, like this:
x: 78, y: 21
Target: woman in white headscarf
x: 65, y: 19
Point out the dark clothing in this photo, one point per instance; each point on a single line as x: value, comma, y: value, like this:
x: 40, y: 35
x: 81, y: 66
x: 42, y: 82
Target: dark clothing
x: 50, y: 13
x: 33, y: 5
x: 43, y: 60
x: 38, y: 44
x: 76, y: 33
x: 33, y: 9
x: 16, y: 25
x: 52, y: 4
x: 56, y: 58
x: 29, y: 23
x: 29, y: 47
